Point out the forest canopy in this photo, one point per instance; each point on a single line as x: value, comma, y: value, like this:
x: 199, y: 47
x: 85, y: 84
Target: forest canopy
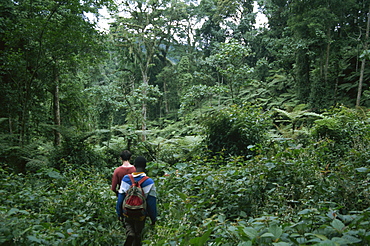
x: 162, y: 62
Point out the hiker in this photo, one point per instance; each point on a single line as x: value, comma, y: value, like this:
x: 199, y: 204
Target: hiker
x: 121, y: 171
x: 135, y: 225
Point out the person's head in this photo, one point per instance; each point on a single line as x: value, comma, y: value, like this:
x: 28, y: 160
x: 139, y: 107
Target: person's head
x: 140, y: 163
x: 125, y: 155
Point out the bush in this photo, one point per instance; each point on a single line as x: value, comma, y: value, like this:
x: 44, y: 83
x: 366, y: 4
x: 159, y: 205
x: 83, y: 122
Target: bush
x: 77, y: 152
x: 284, y: 200
x: 51, y: 208
x: 236, y: 130
x: 345, y: 127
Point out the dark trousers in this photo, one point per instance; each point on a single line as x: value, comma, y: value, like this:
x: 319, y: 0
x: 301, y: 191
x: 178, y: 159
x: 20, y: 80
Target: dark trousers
x: 134, y: 230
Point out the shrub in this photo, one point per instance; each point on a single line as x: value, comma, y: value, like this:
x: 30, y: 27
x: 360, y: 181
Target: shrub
x: 345, y: 127
x: 76, y: 152
x: 53, y: 208
x: 236, y: 130
x: 284, y: 200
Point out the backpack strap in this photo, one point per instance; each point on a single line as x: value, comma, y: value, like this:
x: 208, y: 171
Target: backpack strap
x: 140, y: 181
x: 132, y: 179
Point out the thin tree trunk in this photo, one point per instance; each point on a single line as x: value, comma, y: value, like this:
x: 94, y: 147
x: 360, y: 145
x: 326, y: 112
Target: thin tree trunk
x: 144, y: 73
x: 165, y: 98
x: 144, y: 106
x: 336, y: 90
x: 24, y: 115
x: 56, y: 108
x: 360, y: 82
x: 326, y: 69
x: 143, y: 125
x: 303, y: 84
x: 10, y: 125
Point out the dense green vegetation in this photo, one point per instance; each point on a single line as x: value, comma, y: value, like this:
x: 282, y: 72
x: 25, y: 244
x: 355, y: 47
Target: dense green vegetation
x: 308, y: 190
x: 254, y: 135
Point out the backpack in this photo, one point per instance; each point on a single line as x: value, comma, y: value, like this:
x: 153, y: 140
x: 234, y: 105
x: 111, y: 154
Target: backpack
x: 134, y: 205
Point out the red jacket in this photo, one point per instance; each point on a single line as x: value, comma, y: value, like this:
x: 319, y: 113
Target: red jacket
x: 118, y: 174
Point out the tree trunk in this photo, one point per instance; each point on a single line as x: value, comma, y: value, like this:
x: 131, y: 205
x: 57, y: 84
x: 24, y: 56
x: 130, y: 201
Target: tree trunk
x: 303, y: 84
x: 144, y: 106
x: 165, y: 98
x: 144, y: 73
x: 143, y: 124
x: 10, y: 125
x: 326, y: 68
x: 25, y: 99
x: 360, y: 82
x: 56, y: 109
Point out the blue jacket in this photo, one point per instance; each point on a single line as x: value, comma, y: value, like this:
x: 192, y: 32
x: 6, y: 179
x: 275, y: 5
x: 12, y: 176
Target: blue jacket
x: 149, y: 191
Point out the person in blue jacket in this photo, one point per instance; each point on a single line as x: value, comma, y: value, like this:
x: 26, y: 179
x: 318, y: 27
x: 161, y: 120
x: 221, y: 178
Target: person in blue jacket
x: 135, y: 227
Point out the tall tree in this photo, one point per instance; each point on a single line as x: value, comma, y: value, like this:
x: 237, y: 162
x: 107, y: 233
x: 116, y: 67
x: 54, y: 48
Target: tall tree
x: 362, y: 71
x: 322, y: 36
x: 146, y: 32
x: 230, y: 62
x: 41, y: 43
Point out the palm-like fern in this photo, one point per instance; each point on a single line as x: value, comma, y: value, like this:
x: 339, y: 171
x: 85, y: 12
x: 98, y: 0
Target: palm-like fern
x: 297, y: 115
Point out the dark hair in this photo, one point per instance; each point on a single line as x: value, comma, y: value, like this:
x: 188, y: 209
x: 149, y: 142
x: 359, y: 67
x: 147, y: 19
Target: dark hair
x: 140, y: 162
x: 125, y: 155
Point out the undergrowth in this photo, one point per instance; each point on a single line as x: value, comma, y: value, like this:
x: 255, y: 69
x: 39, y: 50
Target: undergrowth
x: 311, y: 190
x: 259, y: 202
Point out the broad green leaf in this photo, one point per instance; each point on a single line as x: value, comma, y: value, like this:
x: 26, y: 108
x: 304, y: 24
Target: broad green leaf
x: 362, y: 169
x: 249, y: 243
x: 351, y: 239
x: 305, y: 211
x: 54, y: 174
x: 37, y: 227
x: 340, y: 240
x: 322, y: 237
x: 61, y: 235
x: 282, y: 244
x: 13, y: 211
x: 23, y: 232
x: 182, y: 195
x: 205, y: 237
x: 338, y: 225
x: 295, y: 235
x: 250, y: 232
x: 33, y: 239
x: 200, y: 241
x: 276, y: 230
x: 221, y: 218
x: 267, y: 234
x: 327, y: 243
x: 209, y: 179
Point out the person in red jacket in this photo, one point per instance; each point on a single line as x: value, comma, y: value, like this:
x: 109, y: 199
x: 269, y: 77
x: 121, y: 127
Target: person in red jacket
x: 121, y: 171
